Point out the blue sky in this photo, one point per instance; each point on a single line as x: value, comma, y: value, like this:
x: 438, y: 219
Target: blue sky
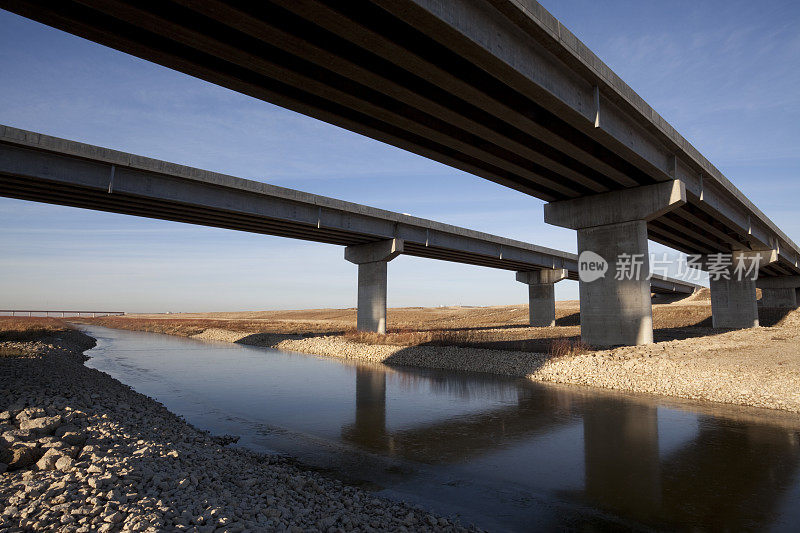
x: 725, y: 74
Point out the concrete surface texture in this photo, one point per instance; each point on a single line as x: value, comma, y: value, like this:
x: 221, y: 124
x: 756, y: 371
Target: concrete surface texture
x: 783, y: 291
x: 616, y: 311
x: 638, y: 203
x: 542, y: 295
x: 371, y: 314
x: 733, y: 303
x: 784, y: 298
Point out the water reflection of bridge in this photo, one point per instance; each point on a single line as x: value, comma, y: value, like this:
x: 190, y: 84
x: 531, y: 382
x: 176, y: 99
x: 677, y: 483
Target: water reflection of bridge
x: 729, y: 475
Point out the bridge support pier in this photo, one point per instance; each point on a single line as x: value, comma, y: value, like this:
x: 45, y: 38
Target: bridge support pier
x: 372, y: 259
x: 780, y: 291
x: 612, y: 232
x: 733, y: 304
x: 783, y: 298
x: 733, y: 300
x: 542, y: 295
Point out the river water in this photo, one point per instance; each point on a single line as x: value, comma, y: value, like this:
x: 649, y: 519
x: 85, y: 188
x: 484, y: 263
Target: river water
x: 505, y: 454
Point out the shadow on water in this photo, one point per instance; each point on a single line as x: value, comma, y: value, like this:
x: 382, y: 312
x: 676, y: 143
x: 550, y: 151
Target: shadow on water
x: 508, y: 454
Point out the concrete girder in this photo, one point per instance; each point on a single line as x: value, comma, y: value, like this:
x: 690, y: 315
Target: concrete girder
x: 626, y: 205
x: 444, y: 79
x: 471, y: 118
x: 554, y: 87
x: 729, y: 262
x: 778, y: 282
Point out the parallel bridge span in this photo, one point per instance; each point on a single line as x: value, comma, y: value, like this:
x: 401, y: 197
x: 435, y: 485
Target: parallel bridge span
x: 48, y: 169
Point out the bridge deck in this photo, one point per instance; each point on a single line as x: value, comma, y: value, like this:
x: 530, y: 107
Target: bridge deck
x: 498, y: 88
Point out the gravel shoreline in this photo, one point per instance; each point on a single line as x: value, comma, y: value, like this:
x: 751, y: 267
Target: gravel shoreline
x: 80, y: 451
x: 757, y: 367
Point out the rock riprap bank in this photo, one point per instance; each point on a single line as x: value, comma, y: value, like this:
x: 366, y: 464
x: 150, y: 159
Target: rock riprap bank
x: 82, y: 452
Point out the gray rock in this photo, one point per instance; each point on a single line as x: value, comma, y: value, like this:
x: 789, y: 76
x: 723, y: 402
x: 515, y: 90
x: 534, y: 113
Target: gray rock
x: 43, y: 425
x: 19, y: 434
x: 66, y: 428
x: 48, y: 460
x: 114, y: 518
x: 30, y: 412
x: 64, y: 463
x: 73, y: 438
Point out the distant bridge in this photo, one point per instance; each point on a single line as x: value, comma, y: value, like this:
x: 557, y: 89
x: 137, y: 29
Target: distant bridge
x: 23, y: 312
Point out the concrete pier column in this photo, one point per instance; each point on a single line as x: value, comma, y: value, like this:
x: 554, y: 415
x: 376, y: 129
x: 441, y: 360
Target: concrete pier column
x: 779, y: 291
x: 733, y: 300
x: 372, y: 259
x: 612, y: 230
x: 542, y: 294
x: 733, y: 304
x: 783, y: 298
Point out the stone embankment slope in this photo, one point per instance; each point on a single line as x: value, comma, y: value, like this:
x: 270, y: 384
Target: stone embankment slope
x: 80, y: 451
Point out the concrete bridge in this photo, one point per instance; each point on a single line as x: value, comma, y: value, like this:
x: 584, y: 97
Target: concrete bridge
x: 498, y: 88
x: 51, y: 170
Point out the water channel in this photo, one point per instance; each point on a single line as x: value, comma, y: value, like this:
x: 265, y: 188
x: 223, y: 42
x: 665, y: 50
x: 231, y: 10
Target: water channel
x: 505, y: 454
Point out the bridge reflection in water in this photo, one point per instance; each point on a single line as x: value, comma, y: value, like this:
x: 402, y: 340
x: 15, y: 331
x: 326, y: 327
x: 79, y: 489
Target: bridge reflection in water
x: 729, y: 475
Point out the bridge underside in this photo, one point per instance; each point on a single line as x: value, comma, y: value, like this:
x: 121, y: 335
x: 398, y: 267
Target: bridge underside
x: 436, y: 81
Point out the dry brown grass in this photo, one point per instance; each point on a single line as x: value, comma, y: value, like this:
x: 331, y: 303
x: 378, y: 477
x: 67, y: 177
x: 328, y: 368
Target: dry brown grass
x: 567, y: 347
x: 19, y: 329
x: 496, y: 327
x: 519, y: 339
x: 192, y: 326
